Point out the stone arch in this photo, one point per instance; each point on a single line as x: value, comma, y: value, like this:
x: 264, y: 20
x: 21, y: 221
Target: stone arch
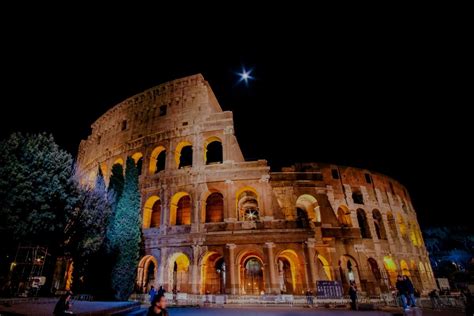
x: 391, y: 269
x: 415, y: 274
x: 213, y: 273
x: 392, y: 225
x: 213, y: 151
x: 376, y: 282
x: 309, y: 204
x: 213, y: 208
x: 401, y: 225
x: 152, y: 212
x: 178, y: 272
x: 180, y: 209
x: 103, y: 169
x: 138, y: 158
x: 288, y: 271
x: 404, y: 268
x: 118, y: 161
x: 363, y: 223
x: 251, y: 273
x: 247, y: 204
x: 379, y: 225
x: 349, y: 271
x: 344, y: 216
x: 323, y: 268
x: 147, y: 273
x: 184, y: 154
x: 157, y: 160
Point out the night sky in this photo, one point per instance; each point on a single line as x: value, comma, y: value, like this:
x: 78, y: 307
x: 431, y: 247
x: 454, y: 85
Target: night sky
x: 391, y: 99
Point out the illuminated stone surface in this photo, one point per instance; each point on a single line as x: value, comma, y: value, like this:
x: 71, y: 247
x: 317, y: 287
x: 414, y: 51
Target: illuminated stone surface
x: 215, y: 222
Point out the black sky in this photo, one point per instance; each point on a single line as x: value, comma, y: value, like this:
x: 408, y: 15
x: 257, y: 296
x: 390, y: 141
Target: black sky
x: 392, y: 99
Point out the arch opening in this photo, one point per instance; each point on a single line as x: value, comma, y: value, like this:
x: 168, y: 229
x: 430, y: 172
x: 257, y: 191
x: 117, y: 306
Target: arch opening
x: 344, y: 216
x: 180, y: 209
x: 157, y: 160
x: 214, y: 208
x: 379, y: 226
x: 363, y: 224
x: 213, y: 151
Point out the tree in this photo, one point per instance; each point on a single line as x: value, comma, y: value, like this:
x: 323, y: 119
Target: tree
x: 85, y: 235
x: 125, y: 234
x: 115, y: 189
x: 35, y: 190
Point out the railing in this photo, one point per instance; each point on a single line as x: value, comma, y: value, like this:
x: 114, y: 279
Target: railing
x: 182, y: 299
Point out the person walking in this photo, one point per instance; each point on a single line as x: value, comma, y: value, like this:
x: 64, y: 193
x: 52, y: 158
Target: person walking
x: 402, y: 291
x: 161, y: 290
x: 309, y: 298
x: 410, y: 291
x: 158, y: 306
x: 353, y: 296
x: 434, y: 298
x: 152, y: 293
x: 63, y: 306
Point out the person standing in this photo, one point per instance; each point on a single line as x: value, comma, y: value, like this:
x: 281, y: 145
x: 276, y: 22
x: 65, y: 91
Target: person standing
x: 402, y: 291
x: 353, y: 296
x: 410, y: 291
x: 158, y: 306
x: 63, y: 306
x: 152, y: 294
x: 161, y: 290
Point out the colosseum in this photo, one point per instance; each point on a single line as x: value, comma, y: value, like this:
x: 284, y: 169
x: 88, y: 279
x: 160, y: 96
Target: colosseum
x: 216, y: 223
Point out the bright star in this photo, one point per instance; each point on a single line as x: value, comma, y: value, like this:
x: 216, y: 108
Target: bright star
x: 245, y: 76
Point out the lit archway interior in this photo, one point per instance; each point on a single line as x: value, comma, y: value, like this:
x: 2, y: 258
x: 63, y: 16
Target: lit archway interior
x: 157, y: 160
x: 213, y: 274
x: 146, y: 273
x: 179, y: 273
x: 138, y: 158
x: 404, y: 267
x: 251, y: 275
x: 247, y: 204
x: 344, y: 216
x: 152, y: 212
x: 348, y: 269
x: 391, y: 268
x: 323, y: 268
x: 401, y: 225
x: 184, y: 154
x: 392, y: 225
x: 214, y: 208
x: 309, y: 204
x: 180, y: 209
x: 289, y: 278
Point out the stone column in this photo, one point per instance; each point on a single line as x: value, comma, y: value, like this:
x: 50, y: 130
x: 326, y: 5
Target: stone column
x: 230, y: 214
x: 311, y: 263
x: 272, y: 283
x: 195, y: 270
x: 165, y: 209
x: 162, y: 277
x: 232, y: 278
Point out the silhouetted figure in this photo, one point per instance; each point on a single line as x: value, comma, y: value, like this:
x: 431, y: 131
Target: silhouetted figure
x: 152, y: 294
x: 402, y: 291
x: 158, y: 306
x: 410, y: 291
x: 353, y: 296
x: 63, y: 305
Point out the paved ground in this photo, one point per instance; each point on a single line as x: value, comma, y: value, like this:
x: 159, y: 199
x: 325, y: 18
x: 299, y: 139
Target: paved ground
x: 279, y: 311
x: 46, y: 308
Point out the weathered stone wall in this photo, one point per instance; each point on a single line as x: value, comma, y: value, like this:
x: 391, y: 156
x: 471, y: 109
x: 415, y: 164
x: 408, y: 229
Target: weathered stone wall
x: 299, y: 225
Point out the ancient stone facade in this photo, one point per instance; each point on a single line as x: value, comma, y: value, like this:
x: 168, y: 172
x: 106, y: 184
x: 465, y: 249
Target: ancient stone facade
x: 216, y: 223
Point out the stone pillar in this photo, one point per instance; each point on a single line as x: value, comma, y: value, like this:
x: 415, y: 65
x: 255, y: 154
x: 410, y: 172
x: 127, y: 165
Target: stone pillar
x: 232, y: 278
x: 162, y: 277
x: 311, y: 263
x: 271, y: 282
x: 227, y: 143
x: 230, y: 214
x: 195, y: 270
x: 165, y: 209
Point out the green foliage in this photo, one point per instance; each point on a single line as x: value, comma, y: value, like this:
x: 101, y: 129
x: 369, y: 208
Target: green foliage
x: 35, y: 190
x: 85, y: 233
x: 125, y: 234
